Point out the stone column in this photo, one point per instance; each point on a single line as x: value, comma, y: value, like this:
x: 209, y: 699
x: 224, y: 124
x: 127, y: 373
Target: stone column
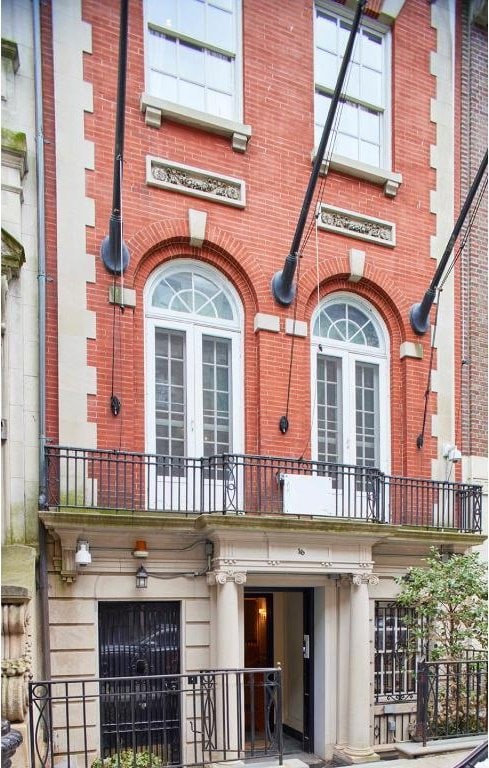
x: 358, y: 749
x: 343, y: 660
x: 228, y: 583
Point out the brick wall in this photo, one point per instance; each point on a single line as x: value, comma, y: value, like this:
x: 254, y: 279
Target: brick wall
x: 473, y: 144
x: 250, y: 245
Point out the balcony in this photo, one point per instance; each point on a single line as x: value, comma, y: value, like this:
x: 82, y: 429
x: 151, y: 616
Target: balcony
x: 233, y: 484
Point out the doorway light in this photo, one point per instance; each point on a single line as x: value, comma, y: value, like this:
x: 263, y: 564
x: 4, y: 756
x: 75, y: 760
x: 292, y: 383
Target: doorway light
x: 141, y: 577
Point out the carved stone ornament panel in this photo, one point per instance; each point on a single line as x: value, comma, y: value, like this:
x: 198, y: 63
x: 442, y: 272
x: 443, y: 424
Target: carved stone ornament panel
x: 365, y: 578
x: 222, y: 577
x: 195, y: 181
x: 357, y: 225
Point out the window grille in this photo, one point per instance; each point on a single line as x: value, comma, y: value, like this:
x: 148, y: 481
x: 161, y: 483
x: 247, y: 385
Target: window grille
x: 395, y: 657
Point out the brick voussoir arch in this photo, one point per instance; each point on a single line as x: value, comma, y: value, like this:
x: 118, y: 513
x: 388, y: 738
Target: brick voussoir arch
x: 375, y: 286
x: 165, y: 240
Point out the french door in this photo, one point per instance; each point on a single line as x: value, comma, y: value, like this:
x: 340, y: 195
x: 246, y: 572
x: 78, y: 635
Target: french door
x: 193, y: 396
x: 351, y: 404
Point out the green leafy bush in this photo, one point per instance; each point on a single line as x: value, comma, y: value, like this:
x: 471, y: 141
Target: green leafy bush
x: 129, y: 759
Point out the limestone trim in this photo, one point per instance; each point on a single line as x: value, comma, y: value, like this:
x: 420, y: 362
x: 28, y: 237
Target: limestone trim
x: 155, y: 110
x: 357, y: 225
x: 73, y: 97
x: 389, y: 180
x: 442, y: 206
x: 197, y: 182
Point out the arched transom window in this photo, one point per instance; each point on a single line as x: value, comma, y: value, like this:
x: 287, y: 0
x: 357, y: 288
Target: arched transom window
x: 350, y: 387
x: 193, y: 362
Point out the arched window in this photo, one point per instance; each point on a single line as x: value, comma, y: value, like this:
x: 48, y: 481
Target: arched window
x: 193, y: 362
x: 350, y: 386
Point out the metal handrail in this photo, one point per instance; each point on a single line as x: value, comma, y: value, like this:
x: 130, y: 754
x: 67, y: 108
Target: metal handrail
x: 254, y: 484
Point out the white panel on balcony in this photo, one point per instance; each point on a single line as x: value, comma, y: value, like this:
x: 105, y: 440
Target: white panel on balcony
x: 307, y: 495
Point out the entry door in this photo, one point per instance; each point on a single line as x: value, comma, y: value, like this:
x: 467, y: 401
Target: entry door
x: 194, y: 398
x: 137, y: 640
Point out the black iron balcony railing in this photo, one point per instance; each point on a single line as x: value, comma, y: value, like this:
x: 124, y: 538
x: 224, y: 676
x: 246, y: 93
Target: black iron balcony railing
x: 452, y: 698
x: 192, y: 719
x: 259, y: 485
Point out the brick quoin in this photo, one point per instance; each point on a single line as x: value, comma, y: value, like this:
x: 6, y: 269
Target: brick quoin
x: 248, y: 246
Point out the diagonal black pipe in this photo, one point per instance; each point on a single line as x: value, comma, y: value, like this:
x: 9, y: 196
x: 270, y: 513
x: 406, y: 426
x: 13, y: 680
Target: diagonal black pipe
x: 113, y: 250
x: 419, y: 313
x: 282, y: 289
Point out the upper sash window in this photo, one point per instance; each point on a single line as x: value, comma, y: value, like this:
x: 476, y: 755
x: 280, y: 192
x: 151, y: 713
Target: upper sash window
x: 193, y: 54
x: 363, y: 131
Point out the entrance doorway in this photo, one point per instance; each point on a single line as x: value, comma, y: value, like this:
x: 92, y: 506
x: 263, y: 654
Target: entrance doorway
x: 278, y: 631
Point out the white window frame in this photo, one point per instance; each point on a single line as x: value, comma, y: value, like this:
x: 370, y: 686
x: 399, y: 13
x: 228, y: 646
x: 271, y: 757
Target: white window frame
x: 237, y: 55
x: 386, y: 122
x: 350, y: 353
x: 195, y: 327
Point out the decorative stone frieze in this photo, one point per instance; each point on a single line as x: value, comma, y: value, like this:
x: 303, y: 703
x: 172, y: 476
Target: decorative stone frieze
x: 195, y: 181
x: 357, y: 225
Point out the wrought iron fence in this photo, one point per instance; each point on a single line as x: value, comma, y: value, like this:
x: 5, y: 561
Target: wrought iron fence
x: 177, y: 720
x: 452, y: 698
x: 245, y: 484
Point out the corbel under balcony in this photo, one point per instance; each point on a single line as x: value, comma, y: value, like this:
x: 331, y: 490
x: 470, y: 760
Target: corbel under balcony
x: 155, y: 110
x: 64, y: 553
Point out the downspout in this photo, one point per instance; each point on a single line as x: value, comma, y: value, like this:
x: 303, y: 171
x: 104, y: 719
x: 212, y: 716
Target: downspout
x: 41, y: 288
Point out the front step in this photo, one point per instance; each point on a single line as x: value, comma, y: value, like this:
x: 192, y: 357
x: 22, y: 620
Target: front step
x: 413, y: 749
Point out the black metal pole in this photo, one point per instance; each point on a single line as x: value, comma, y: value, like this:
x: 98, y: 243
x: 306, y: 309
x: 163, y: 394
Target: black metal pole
x: 419, y: 313
x: 114, y: 252
x: 282, y: 289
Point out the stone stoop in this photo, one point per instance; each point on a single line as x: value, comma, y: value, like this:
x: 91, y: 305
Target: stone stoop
x: 414, y: 750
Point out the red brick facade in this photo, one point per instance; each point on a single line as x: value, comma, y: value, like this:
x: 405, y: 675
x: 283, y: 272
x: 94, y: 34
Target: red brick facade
x: 250, y: 245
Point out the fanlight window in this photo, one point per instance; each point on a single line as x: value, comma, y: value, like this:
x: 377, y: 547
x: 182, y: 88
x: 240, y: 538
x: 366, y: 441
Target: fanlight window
x: 346, y: 323
x: 192, y: 293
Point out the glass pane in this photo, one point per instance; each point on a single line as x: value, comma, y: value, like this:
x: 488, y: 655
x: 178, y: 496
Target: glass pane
x: 325, y: 32
x: 369, y: 125
x: 191, y: 18
x: 163, y: 86
x: 371, y: 88
x: 352, y: 82
x: 326, y: 69
x: 191, y: 63
x: 349, y: 119
x: 162, y: 12
x: 220, y: 28
x: 192, y: 95
x: 369, y: 153
x: 366, y: 417
x: 329, y: 409
x: 372, y: 50
x: 170, y: 392
x: 347, y: 146
x: 219, y: 72
x: 216, y: 376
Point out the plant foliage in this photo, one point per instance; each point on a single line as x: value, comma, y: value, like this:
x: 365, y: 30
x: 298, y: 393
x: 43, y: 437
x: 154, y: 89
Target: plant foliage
x: 129, y: 759
x: 449, y: 599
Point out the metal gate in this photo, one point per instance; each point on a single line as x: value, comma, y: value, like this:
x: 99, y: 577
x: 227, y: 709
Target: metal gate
x: 139, y: 640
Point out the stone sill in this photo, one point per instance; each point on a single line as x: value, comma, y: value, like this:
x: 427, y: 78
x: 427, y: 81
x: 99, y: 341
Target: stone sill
x: 380, y: 176
x: 156, y: 109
